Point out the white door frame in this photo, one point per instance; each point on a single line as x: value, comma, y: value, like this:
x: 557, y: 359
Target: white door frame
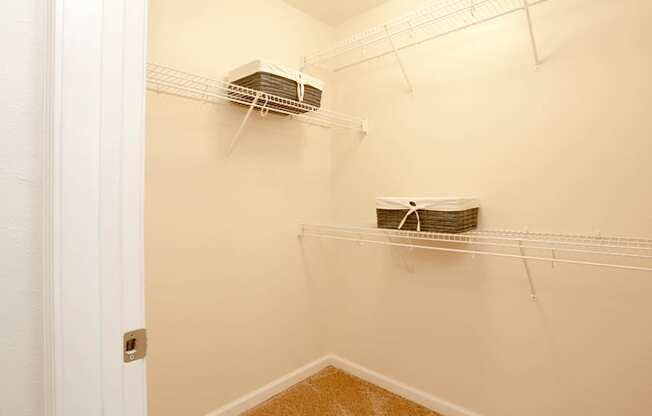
x: 93, y: 205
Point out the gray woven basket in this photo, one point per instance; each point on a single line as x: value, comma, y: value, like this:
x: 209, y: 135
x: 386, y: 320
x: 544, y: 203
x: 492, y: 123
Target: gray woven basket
x: 279, y: 86
x: 431, y: 221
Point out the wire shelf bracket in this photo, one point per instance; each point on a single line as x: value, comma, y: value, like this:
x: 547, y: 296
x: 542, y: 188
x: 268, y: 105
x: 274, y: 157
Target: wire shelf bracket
x: 234, y: 142
x: 400, y: 61
x: 579, y: 249
x: 422, y: 25
x: 533, y: 40
x: 171, y: 81
x: 528, y: 272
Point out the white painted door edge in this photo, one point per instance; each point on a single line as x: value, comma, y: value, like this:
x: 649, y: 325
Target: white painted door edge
x: 93, y: 187
x: 47, y: 207
x: 268, y: 391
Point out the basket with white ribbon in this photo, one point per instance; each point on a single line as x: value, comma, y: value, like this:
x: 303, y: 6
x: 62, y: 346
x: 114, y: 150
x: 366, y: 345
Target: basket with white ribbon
x: 280, y: 81
x: 442, y: 215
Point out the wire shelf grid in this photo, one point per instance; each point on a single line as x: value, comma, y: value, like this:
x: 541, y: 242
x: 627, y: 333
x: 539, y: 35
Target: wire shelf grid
x: 439, y: 19
x: 582, y: 249
x: 167, y: 80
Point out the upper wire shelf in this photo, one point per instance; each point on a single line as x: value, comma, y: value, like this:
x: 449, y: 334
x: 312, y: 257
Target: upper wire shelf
x: 164, y: 79
x: 439, y: 19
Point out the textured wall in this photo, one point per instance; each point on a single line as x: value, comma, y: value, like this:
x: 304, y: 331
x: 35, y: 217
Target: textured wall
x: 20, y: 138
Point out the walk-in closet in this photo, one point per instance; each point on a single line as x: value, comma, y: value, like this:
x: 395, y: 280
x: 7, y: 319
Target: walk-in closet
x: 398, y: 208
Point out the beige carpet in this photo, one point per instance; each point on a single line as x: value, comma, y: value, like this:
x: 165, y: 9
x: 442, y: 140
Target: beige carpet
x: 332, y: 392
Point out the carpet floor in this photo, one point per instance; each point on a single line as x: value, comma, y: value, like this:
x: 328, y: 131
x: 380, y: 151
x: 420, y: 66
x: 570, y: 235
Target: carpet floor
x: 332, y: 392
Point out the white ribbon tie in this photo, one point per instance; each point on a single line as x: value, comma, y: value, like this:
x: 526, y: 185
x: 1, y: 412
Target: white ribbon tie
x: 413, y: 210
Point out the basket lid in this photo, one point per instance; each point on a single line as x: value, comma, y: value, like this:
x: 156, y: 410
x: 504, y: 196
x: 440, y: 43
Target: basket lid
x: 274, y: 69
x: 429, y: 203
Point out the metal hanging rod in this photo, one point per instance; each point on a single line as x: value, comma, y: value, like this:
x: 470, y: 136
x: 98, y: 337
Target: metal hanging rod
x: 442, y: 18
x: 497, y: 243
x: 167, y: 80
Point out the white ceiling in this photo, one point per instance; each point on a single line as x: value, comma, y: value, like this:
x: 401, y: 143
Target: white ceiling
x: 334, y: 12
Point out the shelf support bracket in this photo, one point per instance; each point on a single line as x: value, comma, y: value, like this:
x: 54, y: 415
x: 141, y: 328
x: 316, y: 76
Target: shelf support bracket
x: 244, y: 123
x: 405, y: 257
x: 533, y: 40
x: 400, y: 61
x: 533, y: 291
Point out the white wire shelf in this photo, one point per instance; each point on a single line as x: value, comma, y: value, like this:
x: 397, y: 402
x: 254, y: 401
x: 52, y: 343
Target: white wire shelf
x: 439, y: 19
x: 167, y: 80
x: 621, y: 253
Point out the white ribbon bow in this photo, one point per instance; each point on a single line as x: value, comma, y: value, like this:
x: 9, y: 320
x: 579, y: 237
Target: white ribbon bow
x: 265, y: 110
x: 414, y: 209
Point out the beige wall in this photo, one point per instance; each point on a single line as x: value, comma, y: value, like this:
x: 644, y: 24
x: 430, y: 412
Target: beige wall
x: 565, y: 148
x: 227, y: 298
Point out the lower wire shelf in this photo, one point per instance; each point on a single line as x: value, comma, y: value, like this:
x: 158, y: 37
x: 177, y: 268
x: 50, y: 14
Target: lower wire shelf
x: 621, y: 253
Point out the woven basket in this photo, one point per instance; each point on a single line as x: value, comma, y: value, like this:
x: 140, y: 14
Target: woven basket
x: 431, y: 221
x: 440, y: 215
x: 281, y: 87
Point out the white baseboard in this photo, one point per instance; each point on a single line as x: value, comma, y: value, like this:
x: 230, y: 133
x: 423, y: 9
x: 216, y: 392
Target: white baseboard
x: 264, y: 393
x: 417, y: 396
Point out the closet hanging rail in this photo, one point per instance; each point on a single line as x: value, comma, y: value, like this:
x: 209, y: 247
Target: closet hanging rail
x: 423, y: 25
x: 172, y: 81
x: 617, y: 252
